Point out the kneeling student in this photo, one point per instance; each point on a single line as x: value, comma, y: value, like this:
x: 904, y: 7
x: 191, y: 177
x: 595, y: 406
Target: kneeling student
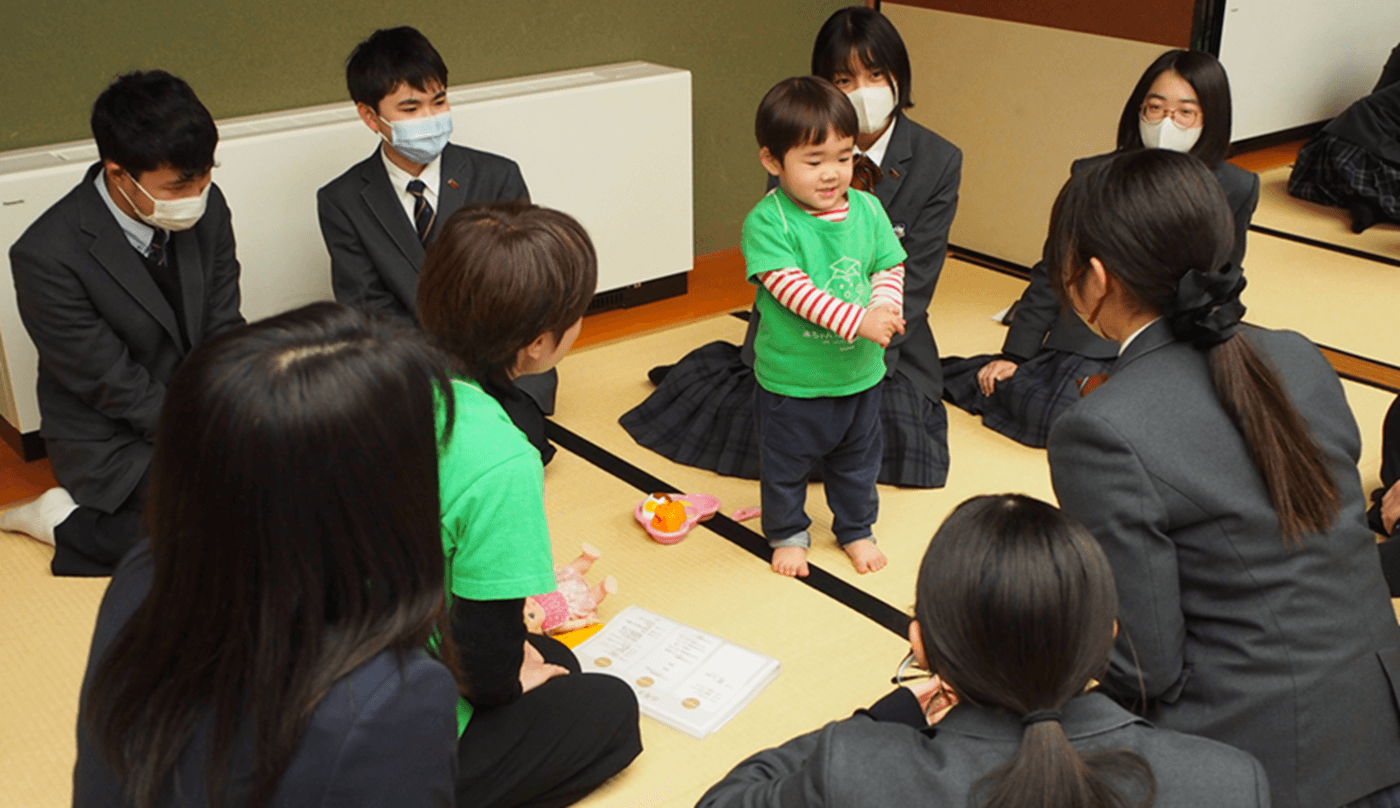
x: 380, y: 216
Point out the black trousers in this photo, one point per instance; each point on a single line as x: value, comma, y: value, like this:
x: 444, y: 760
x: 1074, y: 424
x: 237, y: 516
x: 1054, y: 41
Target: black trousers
x: 554, y: 744
x: 90, y: 542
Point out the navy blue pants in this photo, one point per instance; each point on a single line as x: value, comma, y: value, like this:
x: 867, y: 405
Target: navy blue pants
x: 841, y: 436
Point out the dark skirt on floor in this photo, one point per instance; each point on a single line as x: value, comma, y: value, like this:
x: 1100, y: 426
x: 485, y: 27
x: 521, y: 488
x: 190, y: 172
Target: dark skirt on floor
x: 1024, y: 406
x: 702, y: 415
x: 1332, y: 171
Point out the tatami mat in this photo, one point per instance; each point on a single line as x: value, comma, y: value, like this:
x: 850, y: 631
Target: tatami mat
x: 1279, y: 211
x: 1336, y: 300
x: 606, y: 380
x: 46, y: 626
x: 834, y: 660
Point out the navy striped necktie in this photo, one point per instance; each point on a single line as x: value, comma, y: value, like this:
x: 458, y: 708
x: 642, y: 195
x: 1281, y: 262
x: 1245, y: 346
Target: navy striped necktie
x: 422, y: 211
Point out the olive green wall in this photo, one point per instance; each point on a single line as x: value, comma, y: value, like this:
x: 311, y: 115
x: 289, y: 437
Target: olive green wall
x: 249, y: 56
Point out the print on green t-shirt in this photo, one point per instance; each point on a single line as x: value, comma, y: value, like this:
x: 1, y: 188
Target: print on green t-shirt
x: 491, y: 483
x: 792, y: 355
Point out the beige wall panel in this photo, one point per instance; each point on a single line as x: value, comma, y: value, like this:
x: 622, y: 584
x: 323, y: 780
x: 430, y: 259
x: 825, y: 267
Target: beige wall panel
x: 1023, y: 102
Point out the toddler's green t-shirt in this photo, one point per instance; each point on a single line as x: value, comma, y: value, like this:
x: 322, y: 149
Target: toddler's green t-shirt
x: 793, y: 356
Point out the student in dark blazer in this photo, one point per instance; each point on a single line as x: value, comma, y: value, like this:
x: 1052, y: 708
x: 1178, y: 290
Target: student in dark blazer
x: 1217, y: 467
x: 264, y: 646
x: 116, y: 284
x: 379, y: 216
x: 1014, y: 615
x: 1181, y: 102
x: 702, y: 412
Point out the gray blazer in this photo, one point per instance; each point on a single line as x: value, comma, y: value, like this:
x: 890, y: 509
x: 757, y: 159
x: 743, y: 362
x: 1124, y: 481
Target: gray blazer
x: 108, y: 340
x: 863, y: 762
x: 385, y: 734
x: 1040, y: 320
x: 1291, y: 655
x: 920, y: 193
x: 375, y: 252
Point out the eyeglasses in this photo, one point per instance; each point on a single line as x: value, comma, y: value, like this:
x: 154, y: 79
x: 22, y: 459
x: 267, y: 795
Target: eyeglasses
x: 1185, y: 117
x: 909, y: 671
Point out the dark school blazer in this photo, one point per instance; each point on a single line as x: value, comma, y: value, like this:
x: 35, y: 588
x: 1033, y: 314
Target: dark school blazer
x: 922, y: 173
x: 375, y: 252
x: 1039, y: 320
x: 108, y: 340
x: 1290, y: 655
x: 864, y: 763
x: 385, y: 733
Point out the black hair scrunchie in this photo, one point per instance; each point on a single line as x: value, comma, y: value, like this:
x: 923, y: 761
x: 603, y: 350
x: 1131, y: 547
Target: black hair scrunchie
x: 1207, y: 310
x: 1037, y: 716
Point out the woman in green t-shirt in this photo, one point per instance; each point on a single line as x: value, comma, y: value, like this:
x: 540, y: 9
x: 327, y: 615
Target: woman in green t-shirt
x: 504, y: 288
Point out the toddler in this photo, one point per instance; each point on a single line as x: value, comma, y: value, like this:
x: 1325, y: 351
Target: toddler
x: 831, y: 286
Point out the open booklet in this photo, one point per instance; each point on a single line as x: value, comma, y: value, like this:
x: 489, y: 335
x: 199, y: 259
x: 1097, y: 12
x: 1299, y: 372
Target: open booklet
x: 685, y: 678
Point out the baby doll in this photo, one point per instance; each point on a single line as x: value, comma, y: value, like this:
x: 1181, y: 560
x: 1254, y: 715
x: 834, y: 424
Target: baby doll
x: 573, y: 604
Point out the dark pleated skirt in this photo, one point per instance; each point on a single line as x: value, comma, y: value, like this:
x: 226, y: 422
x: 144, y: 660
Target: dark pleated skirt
x: 1024, y: 406
x: 1332, y: 171
x: 702, y: 415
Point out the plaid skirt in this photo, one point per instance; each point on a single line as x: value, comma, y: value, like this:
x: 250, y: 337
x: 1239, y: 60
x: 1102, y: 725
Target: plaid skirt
x: 1332, y: 171
x: 702, y: 414
x: 1024, y: 406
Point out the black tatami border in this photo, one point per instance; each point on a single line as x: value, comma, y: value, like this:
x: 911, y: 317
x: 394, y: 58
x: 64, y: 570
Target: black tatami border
x: 819, y: 579
x: 1324, y: 245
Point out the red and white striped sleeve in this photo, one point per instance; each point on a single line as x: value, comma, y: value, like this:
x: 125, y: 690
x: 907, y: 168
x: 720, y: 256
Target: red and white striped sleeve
x: 887, y: 286
x: 794, y: 289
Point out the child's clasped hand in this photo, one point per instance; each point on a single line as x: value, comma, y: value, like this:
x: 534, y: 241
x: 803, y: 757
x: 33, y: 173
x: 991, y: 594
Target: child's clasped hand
x: 880, y: 324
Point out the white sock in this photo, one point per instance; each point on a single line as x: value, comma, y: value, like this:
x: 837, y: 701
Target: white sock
x: 41, y: 515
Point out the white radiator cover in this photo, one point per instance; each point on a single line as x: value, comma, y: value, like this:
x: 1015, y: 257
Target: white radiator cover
x: 610, y: 145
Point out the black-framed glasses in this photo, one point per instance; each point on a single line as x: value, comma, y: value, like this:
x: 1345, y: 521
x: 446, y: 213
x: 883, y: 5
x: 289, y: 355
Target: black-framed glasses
x: 909, y: 671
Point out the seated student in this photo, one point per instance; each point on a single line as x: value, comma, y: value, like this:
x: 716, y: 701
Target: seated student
x: 1181, y: 103
x: 116, y: 284
x: 504, y: 289
x: 1354, y: 162
x: 379, y: 217
x: 1014, y: 610
x: 264, y: 647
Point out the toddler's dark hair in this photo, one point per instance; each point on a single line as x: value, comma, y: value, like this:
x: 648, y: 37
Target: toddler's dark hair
x: 801, y: 111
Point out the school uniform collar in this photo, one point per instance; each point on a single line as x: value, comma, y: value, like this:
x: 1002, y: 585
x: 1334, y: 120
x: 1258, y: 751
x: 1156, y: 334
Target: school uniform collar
x: 1084, y: 716
x: 139, y: 234
x: 1123, y: 346
x: 431, y: 176
x: 877, y: 150
x: 1157, y: 334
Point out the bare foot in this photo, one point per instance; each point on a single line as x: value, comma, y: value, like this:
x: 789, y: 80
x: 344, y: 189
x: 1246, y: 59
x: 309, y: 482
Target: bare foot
x: 791, y: 561
x: 864, y: 555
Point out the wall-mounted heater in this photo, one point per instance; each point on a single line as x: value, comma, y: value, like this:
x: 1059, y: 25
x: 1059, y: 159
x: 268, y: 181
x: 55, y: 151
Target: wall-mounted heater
x: 610, y: 145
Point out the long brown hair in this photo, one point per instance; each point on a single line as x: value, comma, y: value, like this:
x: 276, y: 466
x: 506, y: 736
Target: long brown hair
x: 294, y: 536
x: 1152, y: 217
x: 1016, y: 606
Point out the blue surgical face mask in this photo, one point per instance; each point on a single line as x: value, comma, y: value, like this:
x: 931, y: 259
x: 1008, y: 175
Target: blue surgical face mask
x: 420, y: 140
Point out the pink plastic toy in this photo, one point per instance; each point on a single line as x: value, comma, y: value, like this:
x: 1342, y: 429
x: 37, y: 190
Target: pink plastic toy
x: 668, y: 517
x: 573, y: 604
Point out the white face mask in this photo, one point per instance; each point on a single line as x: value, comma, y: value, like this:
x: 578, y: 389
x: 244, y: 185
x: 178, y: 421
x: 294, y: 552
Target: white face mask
x: 171, y: 214
x: 874, y: 105
x: 1167, y: 134
x: 420, y: 140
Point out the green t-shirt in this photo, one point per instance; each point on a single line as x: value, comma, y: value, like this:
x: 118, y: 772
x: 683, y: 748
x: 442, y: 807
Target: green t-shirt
x: 793, y: 356
x: 491, y: 484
